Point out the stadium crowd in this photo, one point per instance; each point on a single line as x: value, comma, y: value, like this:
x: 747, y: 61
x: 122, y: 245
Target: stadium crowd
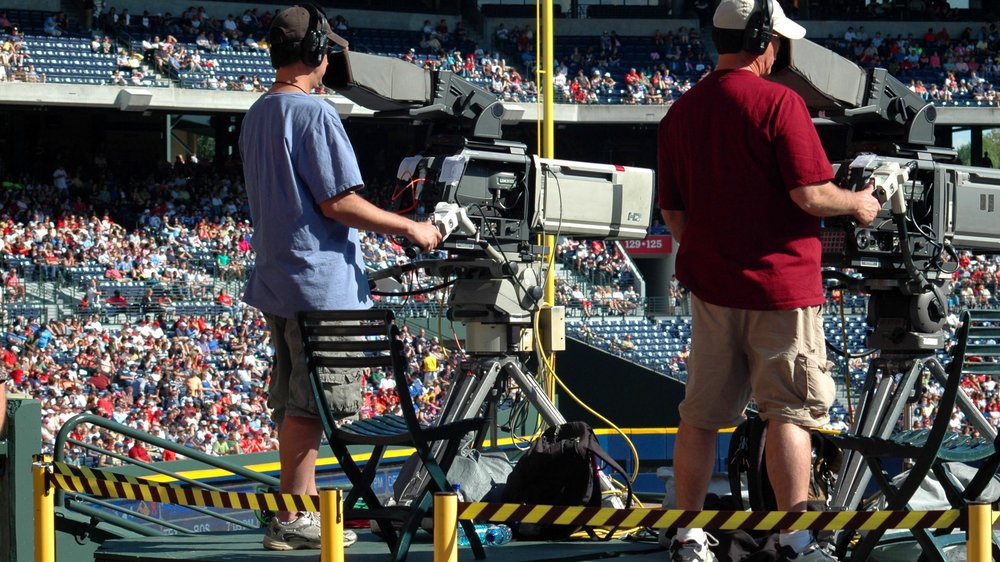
x: 195, y: 379
x: 600, y: 268
x: 975, y: 286
x: 183, y: 228
x: 198, y: 379
x: 939, y: 67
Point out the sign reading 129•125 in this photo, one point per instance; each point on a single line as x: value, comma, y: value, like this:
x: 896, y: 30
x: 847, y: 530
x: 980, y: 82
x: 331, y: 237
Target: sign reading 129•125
x: 652, y: 244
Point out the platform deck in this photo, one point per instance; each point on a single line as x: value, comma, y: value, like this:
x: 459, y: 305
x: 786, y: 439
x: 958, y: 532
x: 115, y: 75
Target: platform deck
x: 245, y: 546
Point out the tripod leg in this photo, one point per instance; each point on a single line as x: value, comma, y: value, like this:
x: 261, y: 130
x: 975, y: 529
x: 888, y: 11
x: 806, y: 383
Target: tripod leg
x: 469, y: 393
x: 966, y: 406
x: 878, y: 418
x: 853, y: 473
x: 465, y: 401
x: 534, y: 392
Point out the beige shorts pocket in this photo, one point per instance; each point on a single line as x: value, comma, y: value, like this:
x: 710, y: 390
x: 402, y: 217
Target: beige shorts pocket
x: 342, y: 390
x: 820, y: 389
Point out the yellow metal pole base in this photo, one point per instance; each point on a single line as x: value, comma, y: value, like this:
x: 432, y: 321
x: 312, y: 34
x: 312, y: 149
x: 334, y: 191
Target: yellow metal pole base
x: 445, y: 527
x: 980, y: 534
x: 45, y: 515
x: 331, y: 506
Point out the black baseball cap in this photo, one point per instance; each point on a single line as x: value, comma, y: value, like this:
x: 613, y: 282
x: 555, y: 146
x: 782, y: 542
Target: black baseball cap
x: 291, y: 25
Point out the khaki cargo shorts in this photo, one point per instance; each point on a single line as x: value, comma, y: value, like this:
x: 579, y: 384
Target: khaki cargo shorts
x: 776, y: 357
x: 290, y: 393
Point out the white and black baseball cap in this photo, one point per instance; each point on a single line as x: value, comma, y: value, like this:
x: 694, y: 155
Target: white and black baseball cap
x: 733, y: 14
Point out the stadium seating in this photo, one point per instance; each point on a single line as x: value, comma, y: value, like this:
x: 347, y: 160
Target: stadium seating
x: 658, y: 344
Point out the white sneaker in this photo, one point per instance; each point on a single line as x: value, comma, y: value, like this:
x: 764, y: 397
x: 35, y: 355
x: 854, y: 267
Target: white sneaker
x: 303, y: 532
x: 691, y: 551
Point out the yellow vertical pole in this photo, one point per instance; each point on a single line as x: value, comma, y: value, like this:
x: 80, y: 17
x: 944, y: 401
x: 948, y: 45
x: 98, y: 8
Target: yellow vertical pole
x: 45, y: 516
x: 546, y: 60
x: 331, y: 508
x: 980, y: 534
x: 445, y: 527
x: 541, y: 71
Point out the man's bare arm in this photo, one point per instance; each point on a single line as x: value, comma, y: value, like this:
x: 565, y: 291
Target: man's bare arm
x: 355, y: 211
x: 827, y: 200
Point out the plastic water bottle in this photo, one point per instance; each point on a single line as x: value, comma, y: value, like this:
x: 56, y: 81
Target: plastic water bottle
x: 490, y: 534
x: 498, y: 534
x: 463, y: 539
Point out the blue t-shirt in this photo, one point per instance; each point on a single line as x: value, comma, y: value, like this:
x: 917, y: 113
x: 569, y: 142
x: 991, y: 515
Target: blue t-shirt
x: 296, y: 155
x: 43, y: 339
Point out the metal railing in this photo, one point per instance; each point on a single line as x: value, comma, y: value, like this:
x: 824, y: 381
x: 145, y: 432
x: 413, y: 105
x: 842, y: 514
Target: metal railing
x: 641, y: 307
x: 57, y: 295
x: 108, y: 512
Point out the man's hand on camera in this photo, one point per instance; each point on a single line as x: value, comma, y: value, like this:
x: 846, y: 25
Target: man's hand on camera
x: 868, y: 206
x: 425, y: 235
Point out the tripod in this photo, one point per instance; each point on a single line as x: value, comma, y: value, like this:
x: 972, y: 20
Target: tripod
x: 486, y: 381
x: 908, y: 337
x: 885, y: 398
x: 493, y: 299
x: 482, y: 386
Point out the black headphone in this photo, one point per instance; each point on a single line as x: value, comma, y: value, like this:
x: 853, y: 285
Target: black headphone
x: 758, y: 32
x: 313, y: 46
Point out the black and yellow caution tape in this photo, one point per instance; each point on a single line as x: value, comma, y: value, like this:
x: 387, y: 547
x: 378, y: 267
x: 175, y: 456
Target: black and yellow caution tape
x: 110, y: 485
x: 91, y: 474
x: 747, y: 520
x: 117, y: 486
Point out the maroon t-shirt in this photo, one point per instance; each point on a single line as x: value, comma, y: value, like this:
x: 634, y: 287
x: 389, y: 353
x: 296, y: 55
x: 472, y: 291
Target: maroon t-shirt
x: 730, y: 149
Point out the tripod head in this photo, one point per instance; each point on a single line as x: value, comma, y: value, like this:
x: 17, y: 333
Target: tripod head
x: 906, y: 316
x: 494, y: 294
x: 495, y: 299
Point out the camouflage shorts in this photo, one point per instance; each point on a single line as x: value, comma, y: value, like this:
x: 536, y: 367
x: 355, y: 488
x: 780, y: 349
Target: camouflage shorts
x: 290, y: 393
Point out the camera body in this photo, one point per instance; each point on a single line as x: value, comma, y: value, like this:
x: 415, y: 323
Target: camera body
x: 512, y: 196
x: 879, y: 133
x: 944, y: 205
x: 508, y: 193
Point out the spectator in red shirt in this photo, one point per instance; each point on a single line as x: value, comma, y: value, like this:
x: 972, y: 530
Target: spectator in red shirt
x: 248, y: 444
x: 224, y: 299
x: 631, y: 77
x: 139, y: 453
x: 15, y: 288
x: 118, y: 300
x: 943, y: 36
x: 9, y: 357
x: 99, y: 381
x: 105, y: 406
